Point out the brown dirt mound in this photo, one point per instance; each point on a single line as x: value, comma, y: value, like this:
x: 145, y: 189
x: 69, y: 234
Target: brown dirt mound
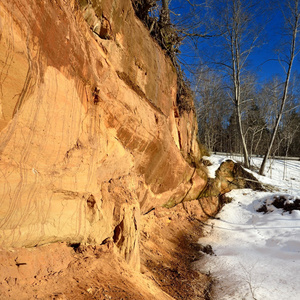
x: 169, y: 248
x: 61, y: 271
x: 284, y: 202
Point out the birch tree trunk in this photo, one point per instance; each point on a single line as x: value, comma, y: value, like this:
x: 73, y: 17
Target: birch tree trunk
x: 236, y: 33
x: 295, y: 12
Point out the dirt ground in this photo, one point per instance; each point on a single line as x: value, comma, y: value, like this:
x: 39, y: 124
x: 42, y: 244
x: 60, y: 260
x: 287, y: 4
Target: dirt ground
x: 168, y: 249
x: 59, y: 271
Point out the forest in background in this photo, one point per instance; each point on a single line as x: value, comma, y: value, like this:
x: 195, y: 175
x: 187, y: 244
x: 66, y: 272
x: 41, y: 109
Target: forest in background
x: 217, y: 119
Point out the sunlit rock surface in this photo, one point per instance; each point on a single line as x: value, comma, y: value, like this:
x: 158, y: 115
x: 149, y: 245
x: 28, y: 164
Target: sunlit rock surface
x: 91, y: 137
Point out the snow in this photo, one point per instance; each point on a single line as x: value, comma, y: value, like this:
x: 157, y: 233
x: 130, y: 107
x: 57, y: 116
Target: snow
x: 257, y: 255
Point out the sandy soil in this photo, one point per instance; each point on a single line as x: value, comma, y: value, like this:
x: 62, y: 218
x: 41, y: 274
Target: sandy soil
x: 169, y: 248
x: 60, y: 271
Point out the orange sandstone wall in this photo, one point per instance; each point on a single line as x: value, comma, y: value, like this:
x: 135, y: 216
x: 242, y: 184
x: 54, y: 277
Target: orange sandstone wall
x: 90, y: 135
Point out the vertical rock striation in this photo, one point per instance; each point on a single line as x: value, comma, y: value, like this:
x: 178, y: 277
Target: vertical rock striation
x: 90, y: 133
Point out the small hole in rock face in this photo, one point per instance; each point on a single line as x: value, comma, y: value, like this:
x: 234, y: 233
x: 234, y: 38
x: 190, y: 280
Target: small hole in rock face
x: 75, y: 246
x: 118, y: 237
x: 117, y: 234
x: 91, y: 201
x: 96, y: 95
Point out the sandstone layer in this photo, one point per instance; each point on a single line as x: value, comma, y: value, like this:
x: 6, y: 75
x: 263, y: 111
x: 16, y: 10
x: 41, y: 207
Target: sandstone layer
x: 91, y: 136
x: 58, y: 271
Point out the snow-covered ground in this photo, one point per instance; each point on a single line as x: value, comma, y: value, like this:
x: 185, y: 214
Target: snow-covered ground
x: 257, y: 255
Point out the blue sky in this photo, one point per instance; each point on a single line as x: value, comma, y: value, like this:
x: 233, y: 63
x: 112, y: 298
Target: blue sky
x: 265, y: 67
x: 263, y: 61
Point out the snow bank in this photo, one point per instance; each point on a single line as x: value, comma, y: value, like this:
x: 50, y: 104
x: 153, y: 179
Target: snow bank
x: 257, y: 254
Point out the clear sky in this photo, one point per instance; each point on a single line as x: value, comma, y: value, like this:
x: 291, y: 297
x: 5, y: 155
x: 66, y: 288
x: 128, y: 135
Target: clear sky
x: 273, y: 36
x: 263, y: 60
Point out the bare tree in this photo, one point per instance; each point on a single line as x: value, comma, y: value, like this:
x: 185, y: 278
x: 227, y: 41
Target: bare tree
x: 237, y: 22
x: 293, y: 138
x: 165, y: 13
x: 291, y: 13
x: 212, y: 108
x: 292, y: 127
x: 255, y: 128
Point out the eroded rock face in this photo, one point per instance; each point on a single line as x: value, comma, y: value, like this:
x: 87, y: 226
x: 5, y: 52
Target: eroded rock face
x: 91, y: 137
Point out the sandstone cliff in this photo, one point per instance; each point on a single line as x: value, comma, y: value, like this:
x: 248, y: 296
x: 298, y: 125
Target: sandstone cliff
x: 91, y: 135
